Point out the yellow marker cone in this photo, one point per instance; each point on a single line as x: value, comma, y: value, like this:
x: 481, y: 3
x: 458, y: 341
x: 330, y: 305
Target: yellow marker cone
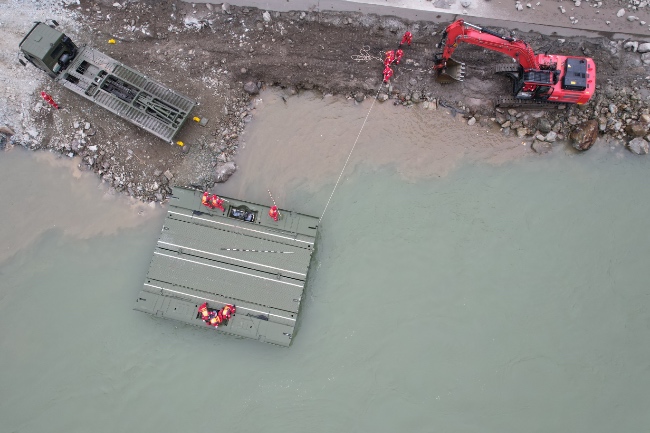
x: 180, y: 143
x: 111, y: 41
x: 196, y: 119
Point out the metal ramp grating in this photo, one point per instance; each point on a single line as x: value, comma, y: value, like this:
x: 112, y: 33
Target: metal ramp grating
x: 168, y: 96
x: 182, y: 103
x: 158, y: 110
x: 134, y: 115
x: 129, y: 75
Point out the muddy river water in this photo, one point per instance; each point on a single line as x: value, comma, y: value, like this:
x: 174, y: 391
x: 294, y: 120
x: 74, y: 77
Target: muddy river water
x: 461, y: 284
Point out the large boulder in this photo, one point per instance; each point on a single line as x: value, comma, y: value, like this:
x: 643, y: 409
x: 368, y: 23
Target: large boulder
x: 224, y: 171
x: 251, y: 88
x: 542, y: 146
x: 544, y: 125
x: 645, y: 58
x: 584, y: 135
x: 551, y: 137
x: 522, y: 132
x: 638, y: 146
x: 5, y: 135
x: 636, y: 129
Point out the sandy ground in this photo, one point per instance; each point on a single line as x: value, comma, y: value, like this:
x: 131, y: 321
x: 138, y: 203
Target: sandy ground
x: 209, y: 52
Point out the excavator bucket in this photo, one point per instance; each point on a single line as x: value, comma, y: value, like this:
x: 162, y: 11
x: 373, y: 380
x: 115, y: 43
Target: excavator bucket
x: 452, y: 71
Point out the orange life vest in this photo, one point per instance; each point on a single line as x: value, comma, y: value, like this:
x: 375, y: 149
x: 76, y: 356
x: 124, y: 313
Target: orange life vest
x: 203, y: 309
x: 216, y: 320
x: 215, y: 201
x: 227, y: 311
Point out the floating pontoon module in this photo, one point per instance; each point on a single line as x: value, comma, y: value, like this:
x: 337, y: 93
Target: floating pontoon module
x: 239, y: 256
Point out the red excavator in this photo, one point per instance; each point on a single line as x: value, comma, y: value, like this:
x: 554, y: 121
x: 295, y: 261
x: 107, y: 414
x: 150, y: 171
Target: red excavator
x: 536, y: 77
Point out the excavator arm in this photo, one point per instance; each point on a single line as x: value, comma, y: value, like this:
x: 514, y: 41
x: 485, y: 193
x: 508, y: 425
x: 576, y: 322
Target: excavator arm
x: 459, y: 32
x: 535, y: 78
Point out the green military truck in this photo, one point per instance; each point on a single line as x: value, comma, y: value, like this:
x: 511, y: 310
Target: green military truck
x: 106, y: 82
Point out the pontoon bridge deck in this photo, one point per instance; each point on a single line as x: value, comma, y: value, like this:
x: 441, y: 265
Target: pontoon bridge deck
x: 240, y: 257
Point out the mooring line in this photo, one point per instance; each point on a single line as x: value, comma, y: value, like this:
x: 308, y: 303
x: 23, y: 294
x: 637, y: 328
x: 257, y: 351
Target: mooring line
x: 351, y: 150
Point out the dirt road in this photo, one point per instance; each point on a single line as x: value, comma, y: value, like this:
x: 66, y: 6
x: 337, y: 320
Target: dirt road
x: 210, y: 52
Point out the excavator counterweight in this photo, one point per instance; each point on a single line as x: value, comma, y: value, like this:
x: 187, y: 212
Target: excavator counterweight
x: 535, y: 77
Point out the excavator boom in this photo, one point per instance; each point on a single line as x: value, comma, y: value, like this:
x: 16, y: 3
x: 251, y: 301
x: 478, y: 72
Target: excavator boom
x: 461, y: 32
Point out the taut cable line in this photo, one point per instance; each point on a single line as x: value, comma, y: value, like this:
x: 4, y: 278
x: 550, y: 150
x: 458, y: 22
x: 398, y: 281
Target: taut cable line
x: 350, y: 154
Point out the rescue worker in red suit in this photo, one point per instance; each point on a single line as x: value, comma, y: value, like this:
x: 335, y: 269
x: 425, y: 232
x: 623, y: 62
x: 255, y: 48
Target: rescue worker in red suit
x: 390, y: 58
x: 227, y: 311
x: 217, y: 202
x: 398, y: 56
x: 205, y: 200
x: 388, y: 72
x: 49, y: 100
x: 205, y: 312
x: 406, y: 39
x: 273, y: 213
x: 215, y: 320
x: 210, y: 317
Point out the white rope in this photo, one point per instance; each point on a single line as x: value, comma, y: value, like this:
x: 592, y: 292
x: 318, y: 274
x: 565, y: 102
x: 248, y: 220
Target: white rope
x: 350, y: 154
x: 365, y: 55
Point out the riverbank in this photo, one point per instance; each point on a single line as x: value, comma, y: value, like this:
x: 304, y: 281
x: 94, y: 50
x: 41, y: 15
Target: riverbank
x: 223, y: 55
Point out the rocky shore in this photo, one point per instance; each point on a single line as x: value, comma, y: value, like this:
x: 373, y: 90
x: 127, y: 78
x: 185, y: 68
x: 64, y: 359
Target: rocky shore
x: 223, y: 55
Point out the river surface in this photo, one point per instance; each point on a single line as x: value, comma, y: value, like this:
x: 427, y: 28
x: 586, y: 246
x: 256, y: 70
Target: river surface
x: 492, y: 291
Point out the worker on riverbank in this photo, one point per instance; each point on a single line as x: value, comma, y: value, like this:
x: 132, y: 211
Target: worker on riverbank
x: 389, y: 58
x: 388, y: 73
x: 49, y: 100
x: 406, y: 39
x: 398, y: 55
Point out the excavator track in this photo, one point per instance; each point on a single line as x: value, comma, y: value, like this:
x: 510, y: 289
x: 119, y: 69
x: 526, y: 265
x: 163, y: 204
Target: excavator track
x: 511, y: 102
x: 503, y: 68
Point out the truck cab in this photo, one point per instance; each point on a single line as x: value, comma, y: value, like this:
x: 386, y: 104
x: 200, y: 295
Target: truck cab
x: 48, y: 49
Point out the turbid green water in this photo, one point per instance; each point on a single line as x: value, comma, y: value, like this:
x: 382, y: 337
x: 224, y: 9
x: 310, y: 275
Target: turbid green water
x: 509, y: 298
